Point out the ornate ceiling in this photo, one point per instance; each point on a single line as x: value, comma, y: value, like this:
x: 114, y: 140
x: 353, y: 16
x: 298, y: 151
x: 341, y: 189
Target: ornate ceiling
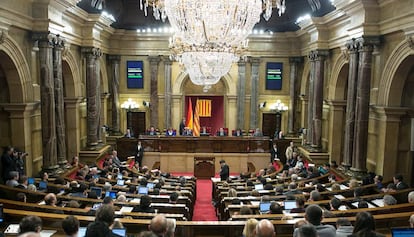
x: 129, y: 16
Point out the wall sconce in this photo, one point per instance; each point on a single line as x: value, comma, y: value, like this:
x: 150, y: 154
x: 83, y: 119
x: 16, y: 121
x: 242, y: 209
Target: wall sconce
x: 279, y: 107
x: 262, y: 105
x: 129, y: 104
x: 146, y: 103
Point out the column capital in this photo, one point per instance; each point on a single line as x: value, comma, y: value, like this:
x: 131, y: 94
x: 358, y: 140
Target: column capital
x: 73, y: 100
x: 336, y: 103
x: 167, y: 60
x: 18, y: 110
x: 44, y: 39
x: 352, y: 46
x: 255, y: 61
x: 318, y: 54
x: 367, y: 43
x: 154, y: 60
x: 92, y: 51
x: 58, y: 42
x: 114, y: 58
x: 241, y: 63
x: 3, y: 35
x: 390, y: 114
x: 295, y: 60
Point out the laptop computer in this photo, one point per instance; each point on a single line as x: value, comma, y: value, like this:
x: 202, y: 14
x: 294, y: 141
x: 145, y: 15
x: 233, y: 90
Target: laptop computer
x: 42, y: 185
x: 82, y: 232
x: 258, y: 186
x: 264, y: 207
x: 96, y: 206
x: 142, y: 190
x: 30, y: 180
x: 97, y: 190
x: 119, y: 176
x: 402, y: 232
x: 120, y: 182
x: 150, y: 185
x: 119, y: 231
x: 289, y: 204
x: 111, y: 194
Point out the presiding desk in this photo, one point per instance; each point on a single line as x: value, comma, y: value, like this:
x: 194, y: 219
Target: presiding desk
x: 204, y: 144
x: 180, y: 153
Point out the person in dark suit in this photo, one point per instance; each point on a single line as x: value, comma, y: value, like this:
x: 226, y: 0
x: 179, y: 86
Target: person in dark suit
x: 182, y: 126
x: 398, y: 181
x: 274, y: 153
x: 129, y: 133
x: 8, y: 162
x: 139, y: 153
x: 224, y: 171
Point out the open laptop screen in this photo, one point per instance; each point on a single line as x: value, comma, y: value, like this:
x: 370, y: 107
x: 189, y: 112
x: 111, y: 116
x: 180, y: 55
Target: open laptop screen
x: 258, y: 186
x: 30, y: 180
x: 97, y: 190
x: 42, y: 185
x: 119, y: 231
x: 82, y: 232
x: 289, y: 205
x: 402, y: 232
x: 111, y: 194
x: 120, y: 182
x: 142, y: 190
x: 264, y: 207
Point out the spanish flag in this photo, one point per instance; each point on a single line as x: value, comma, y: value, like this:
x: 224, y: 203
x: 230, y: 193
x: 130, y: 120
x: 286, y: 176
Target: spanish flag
x: 189, y: 119
x: 196, y: 130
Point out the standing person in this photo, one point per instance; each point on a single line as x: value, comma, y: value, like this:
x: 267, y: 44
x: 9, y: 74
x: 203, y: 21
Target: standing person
x: 224, y: 171
x: 139, y: 154
x: 182, y: 126
x: 289, y: 151
x: 8, y: 163
x: 274, y: 153
x: 365, y: 226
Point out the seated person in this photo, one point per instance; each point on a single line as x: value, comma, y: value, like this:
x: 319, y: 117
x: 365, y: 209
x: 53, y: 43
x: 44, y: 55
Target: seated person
x: 257, y: 133
x: 170, y: 132
x: 221, y: 132
x: 187, y: 131
x: 237, y: 133
x: 144, y: 205
x: 129, y: 133
x: 204, y: 131
x: 152, y: 131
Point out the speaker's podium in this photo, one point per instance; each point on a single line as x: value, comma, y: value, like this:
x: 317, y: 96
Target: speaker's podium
x: 204, y: 167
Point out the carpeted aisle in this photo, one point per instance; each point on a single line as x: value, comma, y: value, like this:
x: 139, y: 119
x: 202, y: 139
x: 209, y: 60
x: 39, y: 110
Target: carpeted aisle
x: 204, y: 209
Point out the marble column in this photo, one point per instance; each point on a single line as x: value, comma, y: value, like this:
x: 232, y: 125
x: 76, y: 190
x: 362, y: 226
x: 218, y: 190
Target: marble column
x: 99, y: 107
x: 168, y: 92
x: 47, y: 97
x: 350, y: 103
x: 241, y: 94
x: 93, y: 95
x: 318, y: 56
x: 309, y: 130
x: 115, y: 60
x: 366, y: 47
x: 293, y: 92
x: 154, y: 60
x: 59, y: 101
x: 254, y: 100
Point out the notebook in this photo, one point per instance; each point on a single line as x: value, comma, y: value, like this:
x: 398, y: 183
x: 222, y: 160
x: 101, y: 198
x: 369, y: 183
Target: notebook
x: 402, y: 232
x: 378, y: 202
x: 264, y: 207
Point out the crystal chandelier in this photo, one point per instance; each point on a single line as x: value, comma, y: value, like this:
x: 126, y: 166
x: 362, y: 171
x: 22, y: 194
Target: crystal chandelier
x: 210, y: 35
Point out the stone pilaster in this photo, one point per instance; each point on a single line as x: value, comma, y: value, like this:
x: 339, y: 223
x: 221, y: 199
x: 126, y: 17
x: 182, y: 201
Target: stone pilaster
x: 309, y: 130
x: 47, y: 97
x: 115, y: 60
x: 293, y: 93
x: 59, y: 101
x: 254, y: 92
x: 241, y: 93
x: 154, y: 60
x: 365, y: 48
x: 318, y: 57
x: 93, y: 95
x: 350, y: 104
x: 168, y: 92
x: 73, y: 124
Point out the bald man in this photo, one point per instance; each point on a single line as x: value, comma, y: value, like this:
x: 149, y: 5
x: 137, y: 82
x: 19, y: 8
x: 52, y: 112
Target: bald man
x: 158, y: 225
x: 265, y: 228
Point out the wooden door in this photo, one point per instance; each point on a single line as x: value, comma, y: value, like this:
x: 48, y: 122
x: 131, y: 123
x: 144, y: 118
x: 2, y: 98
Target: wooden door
x: 269, y: 124
x: 138, y: 123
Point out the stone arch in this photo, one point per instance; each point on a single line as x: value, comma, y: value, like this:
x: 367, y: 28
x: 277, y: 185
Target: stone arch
x: 390, y: 82
x: 17, y: 71
x: 179, y: 83
x: 337, y: 84
x: 71, y: 76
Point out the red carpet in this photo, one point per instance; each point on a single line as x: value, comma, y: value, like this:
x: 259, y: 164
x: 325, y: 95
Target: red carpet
x: 203, y: 209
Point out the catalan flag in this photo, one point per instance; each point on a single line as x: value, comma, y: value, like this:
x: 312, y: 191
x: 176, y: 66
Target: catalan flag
x: 189, y: 119
x: 204, y: 108
x: 196, y: 130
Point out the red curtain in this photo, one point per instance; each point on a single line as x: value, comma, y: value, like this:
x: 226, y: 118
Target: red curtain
x: 216, y: 120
